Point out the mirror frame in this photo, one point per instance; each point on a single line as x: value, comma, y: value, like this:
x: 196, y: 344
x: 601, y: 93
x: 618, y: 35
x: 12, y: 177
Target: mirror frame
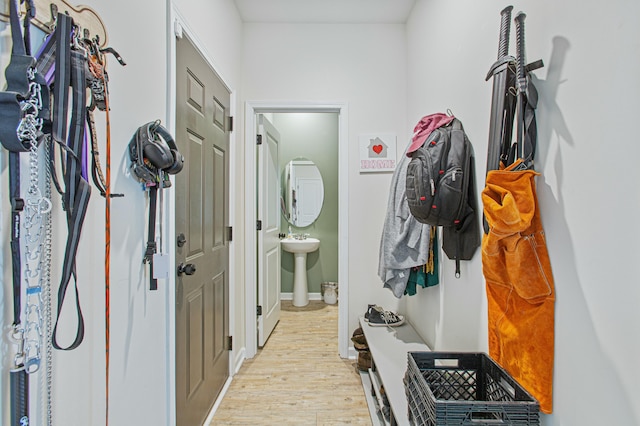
x: 290, y: 194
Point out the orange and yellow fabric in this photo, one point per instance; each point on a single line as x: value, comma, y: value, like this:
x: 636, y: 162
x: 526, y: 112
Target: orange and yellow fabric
x: 519, y: 282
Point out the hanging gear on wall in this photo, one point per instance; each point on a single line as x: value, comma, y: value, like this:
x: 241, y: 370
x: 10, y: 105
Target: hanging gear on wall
x: 154, y: 156
x: 98, y: 84
x: 23, y: 108
x: 66, y: 60
x: 70, y: 72
x: 515, y: 261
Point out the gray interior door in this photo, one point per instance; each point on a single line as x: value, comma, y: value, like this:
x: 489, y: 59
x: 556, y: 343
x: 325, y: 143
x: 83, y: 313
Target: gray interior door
x: 202, y: 199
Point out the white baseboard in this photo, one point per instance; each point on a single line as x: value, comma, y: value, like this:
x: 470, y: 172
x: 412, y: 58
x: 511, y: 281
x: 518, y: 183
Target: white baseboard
x: 289, y: 296
x: 223, y: 392
x: 353, y: 354
x: 237, y: 363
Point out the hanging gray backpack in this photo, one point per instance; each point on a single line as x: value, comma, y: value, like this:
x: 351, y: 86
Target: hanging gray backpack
x: 441, y: 190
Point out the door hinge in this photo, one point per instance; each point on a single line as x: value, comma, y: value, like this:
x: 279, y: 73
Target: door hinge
x: 259, y: 140
x: 259, y: 225
x: 259, y: 310
x: 177, y: 29
x: 229, y: 233
x: 230, y: 121
x: 229, y: 346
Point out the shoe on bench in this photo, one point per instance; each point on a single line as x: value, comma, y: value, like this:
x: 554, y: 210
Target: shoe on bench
x: 378, y: 317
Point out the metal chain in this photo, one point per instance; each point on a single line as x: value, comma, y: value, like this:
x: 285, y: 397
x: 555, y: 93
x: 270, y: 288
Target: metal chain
x: 46, y: 280
x: 35, y: 207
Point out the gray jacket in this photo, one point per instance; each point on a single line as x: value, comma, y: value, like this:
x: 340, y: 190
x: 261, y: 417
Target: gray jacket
x: 405, y: 241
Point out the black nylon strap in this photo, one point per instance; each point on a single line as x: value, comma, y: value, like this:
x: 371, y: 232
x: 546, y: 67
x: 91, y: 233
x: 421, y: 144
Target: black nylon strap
x: 16, y: 33
x: 151, y: 240
x: 17, y: 204
x: 17, y: 89
x: 47, y: 55
x: 62, y: 77
x: 16, y: 75
x: 77, y: 189
x: 19, y: 386
x: 69, y: 266
x: 76, y: 127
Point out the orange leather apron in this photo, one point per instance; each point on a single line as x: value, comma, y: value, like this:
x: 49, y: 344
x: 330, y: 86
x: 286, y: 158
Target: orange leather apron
x: 519, y: 282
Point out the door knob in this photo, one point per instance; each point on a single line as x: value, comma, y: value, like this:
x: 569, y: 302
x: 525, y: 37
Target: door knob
x: 188, y: 269
x: 181, y: 240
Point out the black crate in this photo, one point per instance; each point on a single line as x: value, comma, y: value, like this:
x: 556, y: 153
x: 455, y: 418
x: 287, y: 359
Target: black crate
x: 466, y: 389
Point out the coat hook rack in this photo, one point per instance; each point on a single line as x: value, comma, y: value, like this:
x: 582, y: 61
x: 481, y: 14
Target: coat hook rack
x: 83, y: 16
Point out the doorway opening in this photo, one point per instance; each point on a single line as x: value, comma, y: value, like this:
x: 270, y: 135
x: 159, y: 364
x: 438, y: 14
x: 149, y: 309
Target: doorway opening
x: 253, y: 109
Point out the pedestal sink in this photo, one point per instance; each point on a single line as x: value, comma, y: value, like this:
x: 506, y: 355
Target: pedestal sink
x: 300, y: 248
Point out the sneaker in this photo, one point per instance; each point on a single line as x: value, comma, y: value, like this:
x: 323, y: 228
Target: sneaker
x: 369, y: 309
x: 379, y: 317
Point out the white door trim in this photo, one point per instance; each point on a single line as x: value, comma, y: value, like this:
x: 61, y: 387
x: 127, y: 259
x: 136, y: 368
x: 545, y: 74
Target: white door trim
x: 176, y: 23
x: 251, y: 109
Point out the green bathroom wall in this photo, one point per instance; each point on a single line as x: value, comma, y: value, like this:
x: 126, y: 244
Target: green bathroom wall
x: 313, y: 136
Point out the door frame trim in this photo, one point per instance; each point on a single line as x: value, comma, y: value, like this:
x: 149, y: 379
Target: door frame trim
x: 177, y: 27
x: 257, y: 107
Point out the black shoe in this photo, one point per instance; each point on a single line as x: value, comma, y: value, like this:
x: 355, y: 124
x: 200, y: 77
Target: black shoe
x: 378, y: 317
x: 369, y: 309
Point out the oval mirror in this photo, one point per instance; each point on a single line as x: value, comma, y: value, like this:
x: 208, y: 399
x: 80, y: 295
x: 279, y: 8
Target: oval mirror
x: 302, y: 192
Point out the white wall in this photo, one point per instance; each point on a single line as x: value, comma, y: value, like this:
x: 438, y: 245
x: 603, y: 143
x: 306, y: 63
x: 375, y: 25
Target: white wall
x: 587, y: 192
x: 387, y: 76
x: 140, y: 354
x: 363, y: 65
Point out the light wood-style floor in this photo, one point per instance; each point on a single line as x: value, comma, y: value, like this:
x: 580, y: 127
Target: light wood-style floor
x: 298, y: 378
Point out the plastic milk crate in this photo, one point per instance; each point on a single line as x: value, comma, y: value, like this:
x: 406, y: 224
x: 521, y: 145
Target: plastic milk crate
x: 446, y: 388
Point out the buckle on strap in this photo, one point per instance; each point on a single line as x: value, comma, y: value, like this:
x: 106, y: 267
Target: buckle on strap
x: 151, y: 250
x: 17, y: 204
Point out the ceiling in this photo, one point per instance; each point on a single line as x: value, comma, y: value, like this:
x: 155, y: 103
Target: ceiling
x: 325, y: 11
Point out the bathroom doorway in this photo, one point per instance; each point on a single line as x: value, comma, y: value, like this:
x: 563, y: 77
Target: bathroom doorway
x: 295, y: 119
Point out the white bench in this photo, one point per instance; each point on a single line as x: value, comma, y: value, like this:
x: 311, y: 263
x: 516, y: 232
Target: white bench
x: 389, y: 347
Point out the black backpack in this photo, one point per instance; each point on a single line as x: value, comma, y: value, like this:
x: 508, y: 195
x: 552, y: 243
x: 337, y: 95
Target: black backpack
x: 441, y: 190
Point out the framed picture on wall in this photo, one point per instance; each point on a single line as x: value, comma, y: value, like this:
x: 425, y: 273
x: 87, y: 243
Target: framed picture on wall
x: 377, y: 152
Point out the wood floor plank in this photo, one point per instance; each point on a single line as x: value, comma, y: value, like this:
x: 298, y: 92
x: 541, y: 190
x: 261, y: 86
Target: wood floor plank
x: 298, y: 378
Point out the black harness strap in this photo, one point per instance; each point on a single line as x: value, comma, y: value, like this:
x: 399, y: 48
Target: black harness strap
x: 62, y: 77
x: 77, y: 189
x: 17, y: 205
x: 17, y: 76
x: 151, y: 239
x: 10, y: 116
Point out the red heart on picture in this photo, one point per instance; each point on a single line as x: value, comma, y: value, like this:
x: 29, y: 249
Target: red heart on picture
x: 377, y: 149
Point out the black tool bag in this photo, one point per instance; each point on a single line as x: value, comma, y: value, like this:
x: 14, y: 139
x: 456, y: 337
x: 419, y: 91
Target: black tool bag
x: 441, y: 190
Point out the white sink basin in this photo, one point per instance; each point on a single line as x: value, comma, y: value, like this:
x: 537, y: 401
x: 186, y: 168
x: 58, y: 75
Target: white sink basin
x: 300, y: 246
